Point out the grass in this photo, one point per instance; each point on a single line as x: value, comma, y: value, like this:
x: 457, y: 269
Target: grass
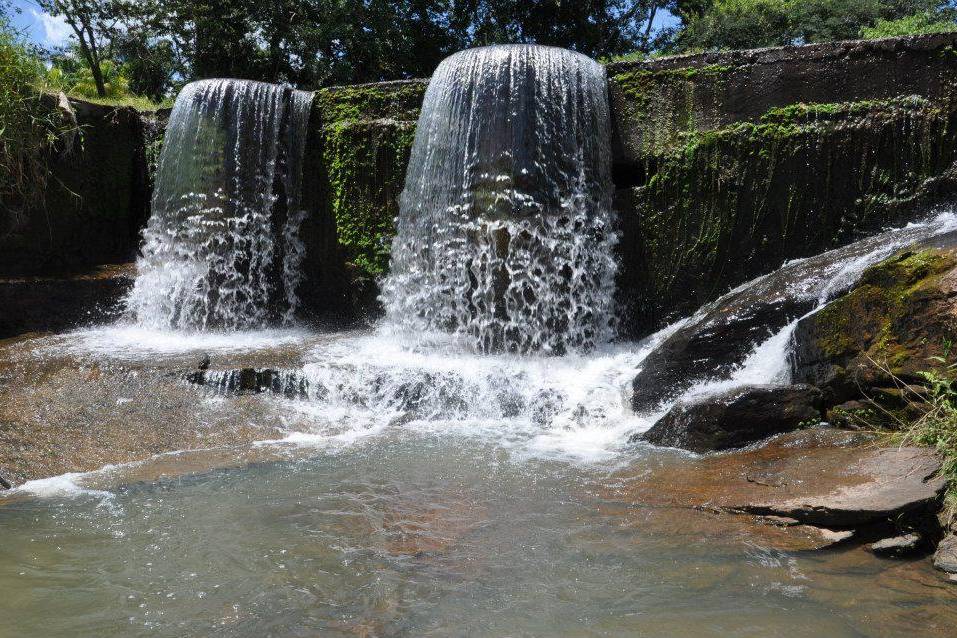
x: 929, y: 419
x: 29, y: 126
x: 138, y: 102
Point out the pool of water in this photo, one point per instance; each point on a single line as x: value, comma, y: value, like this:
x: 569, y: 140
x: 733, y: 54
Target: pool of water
x: 379, y: 510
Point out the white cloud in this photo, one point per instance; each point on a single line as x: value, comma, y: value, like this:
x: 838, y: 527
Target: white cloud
x: 55, y: 29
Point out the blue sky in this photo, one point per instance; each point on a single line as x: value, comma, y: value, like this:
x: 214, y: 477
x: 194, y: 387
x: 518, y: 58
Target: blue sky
x: 46, y: 30
x: 38, y: 26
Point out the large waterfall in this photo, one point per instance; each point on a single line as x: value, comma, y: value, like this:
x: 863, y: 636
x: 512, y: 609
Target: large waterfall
x: 505, y: 230
x: 222, y: 249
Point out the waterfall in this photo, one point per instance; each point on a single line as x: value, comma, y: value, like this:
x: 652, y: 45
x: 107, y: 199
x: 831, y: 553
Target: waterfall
x: 221, y: 249
x: 505, y: 230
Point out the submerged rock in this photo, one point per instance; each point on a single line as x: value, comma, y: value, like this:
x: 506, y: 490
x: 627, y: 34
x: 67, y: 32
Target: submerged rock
x: 898, y: 546
x: 945, y: 559
x: 736, y: 418
x: 288, y: 383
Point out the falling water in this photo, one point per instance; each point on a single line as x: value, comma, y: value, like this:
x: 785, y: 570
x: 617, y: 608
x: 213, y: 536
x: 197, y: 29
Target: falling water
x: 221, y: 249
x: 505, y: 226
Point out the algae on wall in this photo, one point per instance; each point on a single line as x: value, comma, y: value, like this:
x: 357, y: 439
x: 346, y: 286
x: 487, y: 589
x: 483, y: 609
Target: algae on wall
x: 367, y: 134
x: 714, y: 192
x: 360, y: 139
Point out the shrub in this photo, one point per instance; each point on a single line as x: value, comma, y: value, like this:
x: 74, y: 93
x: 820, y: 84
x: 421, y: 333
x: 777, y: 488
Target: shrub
x: 29, y: 125
x: 916, y: 24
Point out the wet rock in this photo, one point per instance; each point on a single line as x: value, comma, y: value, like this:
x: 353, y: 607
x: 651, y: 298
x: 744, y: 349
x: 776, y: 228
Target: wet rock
x: 893, y: 323
x: 50, y: 303
x: 251, y: 381
x: 945, y: 558
x: 897, y: 482
x: 800, y: 537
x: 736, y: 418
x: 4, y: 483
x: 898, y: 546
x: 823, y: 478
x: 716, y: 340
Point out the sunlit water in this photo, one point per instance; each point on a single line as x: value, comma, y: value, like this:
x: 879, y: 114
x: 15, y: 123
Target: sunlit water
x: 414, y: 490
x: 422, y: 534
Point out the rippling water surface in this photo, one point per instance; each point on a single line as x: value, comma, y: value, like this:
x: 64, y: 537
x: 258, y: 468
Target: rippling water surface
x: 388, y: 505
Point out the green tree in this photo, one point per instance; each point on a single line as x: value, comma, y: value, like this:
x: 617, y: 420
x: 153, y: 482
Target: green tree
x: 910, y: 25
x: 599, y: 28
x: 94, y: 23
x: 735, y: 24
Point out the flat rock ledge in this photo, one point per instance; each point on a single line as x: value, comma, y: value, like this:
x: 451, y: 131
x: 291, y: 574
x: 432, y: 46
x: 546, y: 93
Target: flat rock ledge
x: 882, y: 484
x: 820, y: 484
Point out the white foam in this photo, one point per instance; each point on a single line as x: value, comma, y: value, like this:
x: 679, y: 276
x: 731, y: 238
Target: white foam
x: 124, y: 340
x: 69, y: 485
x: 573, y: 406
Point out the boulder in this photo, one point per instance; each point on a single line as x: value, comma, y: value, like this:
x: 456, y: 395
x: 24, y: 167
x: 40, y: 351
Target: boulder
x: 822, y: 478
x: 736, y: 418
x: 945, y: 558
x: 896, y: 321
x: 714, y: 342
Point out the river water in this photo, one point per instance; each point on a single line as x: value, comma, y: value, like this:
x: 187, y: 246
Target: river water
x: 379, y: 507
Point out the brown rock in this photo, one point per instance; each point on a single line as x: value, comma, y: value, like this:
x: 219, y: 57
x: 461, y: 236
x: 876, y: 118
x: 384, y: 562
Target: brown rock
x: 945, y: 558
x: 822, y: 477
x: 896, y: 481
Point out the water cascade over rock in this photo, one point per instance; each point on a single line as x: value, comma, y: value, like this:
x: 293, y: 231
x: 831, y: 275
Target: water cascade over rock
x: 221, y: 249
x: 505, y: 228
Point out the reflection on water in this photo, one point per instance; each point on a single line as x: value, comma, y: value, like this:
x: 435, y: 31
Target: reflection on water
x: 415, y: 495
x: 422, y: 535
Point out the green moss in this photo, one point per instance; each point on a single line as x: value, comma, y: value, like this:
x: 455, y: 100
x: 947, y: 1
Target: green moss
x: 727, y: 204
x: 367, y: 133
x: 868, y: 320
x: 392, y: 100
x: 666, y: 101
x: 365, y: 163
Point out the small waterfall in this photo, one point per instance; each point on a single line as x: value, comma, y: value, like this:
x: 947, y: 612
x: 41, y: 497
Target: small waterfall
x: 505, y: 231
x: 221, y: 249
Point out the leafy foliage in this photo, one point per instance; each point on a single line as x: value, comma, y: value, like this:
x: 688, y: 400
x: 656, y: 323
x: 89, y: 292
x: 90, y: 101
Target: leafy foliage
x: 916, y: 24
x: 731, y: 24
x: 71, y: 77
x: 28, y: 127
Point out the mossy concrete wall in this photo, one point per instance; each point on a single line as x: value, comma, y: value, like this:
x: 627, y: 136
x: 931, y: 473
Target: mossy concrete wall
x: 729, y: 164
x: 95, y: 202
x: 726, y: 164
x: 360, y: 142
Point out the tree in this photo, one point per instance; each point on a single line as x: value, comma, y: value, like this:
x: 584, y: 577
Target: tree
x: 732, y: 24
x: 94, y: 23
x: 598, y: 28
